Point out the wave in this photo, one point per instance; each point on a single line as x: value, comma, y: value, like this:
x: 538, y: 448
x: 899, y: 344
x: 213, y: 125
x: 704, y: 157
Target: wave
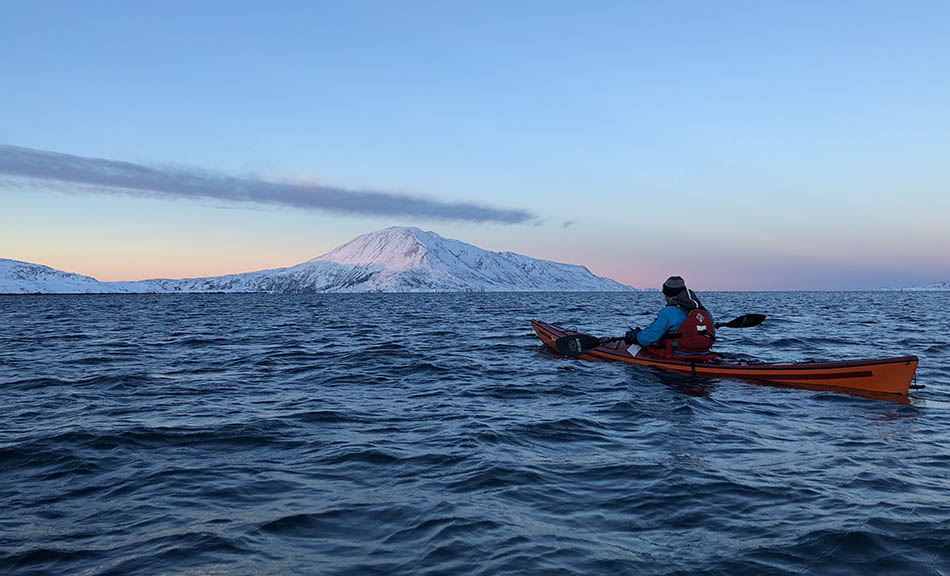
x: 268, y: 434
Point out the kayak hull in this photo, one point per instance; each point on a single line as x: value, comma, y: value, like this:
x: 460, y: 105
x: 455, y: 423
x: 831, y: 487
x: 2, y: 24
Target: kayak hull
x: 890, y: 377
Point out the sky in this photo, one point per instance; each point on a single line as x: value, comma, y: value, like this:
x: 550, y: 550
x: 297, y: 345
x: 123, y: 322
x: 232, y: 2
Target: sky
x: 742, y: 145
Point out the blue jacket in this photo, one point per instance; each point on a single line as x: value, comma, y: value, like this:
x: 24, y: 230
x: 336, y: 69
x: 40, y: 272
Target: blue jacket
x: 669, y: 319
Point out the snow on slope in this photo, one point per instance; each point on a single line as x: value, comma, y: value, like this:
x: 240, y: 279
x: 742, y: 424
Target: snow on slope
x: 396, y: 259
x: 414, y: 260
x: 24, y: 278
x: 303, y: 278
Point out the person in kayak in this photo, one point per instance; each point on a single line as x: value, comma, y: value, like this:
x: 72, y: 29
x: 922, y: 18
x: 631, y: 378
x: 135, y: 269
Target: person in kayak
x: 682, y: 327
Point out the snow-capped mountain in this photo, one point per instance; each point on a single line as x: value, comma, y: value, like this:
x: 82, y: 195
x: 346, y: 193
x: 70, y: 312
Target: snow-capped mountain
x: 413, y: 260
x: 397, y: 259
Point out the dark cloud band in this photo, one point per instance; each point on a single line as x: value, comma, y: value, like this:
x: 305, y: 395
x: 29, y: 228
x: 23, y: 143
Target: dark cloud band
x: 137, y: 179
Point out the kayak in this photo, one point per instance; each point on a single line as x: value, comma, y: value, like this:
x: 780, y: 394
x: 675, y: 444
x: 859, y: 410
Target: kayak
x: 883, y: 377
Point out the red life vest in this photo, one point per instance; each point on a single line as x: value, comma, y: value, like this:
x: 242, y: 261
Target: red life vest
x: 696, y: 333
x: 695, y: 336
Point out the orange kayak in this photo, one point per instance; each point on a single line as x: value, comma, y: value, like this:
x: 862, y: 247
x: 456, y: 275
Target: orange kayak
x: 884, y: 377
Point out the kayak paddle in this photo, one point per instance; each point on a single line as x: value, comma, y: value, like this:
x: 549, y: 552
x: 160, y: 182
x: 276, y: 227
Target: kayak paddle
x: 577, y: 344
x: 745, y: 321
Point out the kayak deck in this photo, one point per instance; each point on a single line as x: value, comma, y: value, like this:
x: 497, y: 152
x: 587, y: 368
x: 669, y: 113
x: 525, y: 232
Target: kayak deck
x: 885, y: 376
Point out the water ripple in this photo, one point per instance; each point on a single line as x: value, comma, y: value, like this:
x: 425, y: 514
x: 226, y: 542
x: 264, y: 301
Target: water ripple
x: 433, y: 434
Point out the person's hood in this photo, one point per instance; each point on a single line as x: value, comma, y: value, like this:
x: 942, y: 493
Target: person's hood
x: 687, y: 300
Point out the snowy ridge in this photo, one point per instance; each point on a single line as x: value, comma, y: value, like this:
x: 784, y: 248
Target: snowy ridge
x: 303, y: 278
x: 397, y: 259
x: 24, y: 278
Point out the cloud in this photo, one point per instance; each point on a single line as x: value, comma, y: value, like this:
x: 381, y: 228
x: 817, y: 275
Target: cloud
x: 99, y: 175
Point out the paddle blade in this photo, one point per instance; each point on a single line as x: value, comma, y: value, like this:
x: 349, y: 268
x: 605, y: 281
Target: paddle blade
x: 746, y: 321
x: 576, y: 344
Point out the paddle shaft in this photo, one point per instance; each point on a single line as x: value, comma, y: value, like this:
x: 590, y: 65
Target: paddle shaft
x: 744, y: 321
x: 577, y: 344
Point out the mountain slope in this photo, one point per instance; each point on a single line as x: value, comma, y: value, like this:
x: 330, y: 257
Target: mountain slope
x: 414, y: 260
x: 24, y: 278
x: 303, y: 278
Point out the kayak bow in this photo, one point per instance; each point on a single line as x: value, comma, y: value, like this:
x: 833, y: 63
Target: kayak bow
x: 884, y: 376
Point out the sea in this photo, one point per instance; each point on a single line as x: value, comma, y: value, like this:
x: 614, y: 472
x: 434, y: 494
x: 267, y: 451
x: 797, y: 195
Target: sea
x: 433, y: 434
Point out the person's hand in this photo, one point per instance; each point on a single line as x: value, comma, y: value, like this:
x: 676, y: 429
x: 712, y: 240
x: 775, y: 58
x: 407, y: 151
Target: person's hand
x: 631, y: 336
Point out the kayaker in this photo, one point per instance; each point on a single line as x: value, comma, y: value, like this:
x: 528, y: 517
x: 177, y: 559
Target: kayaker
x: 683, y: 326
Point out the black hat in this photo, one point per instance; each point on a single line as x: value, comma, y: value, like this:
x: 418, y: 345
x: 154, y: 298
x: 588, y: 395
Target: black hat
x: 673, y: 286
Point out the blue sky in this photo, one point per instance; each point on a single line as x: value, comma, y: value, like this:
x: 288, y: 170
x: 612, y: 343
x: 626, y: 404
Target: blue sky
x: 743, y: 145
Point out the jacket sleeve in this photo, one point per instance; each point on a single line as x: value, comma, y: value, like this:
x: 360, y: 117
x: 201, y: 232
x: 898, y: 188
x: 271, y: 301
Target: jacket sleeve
x: 665, y: 320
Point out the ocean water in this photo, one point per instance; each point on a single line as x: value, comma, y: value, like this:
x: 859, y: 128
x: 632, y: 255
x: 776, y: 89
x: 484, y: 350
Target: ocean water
x: 433, y: 434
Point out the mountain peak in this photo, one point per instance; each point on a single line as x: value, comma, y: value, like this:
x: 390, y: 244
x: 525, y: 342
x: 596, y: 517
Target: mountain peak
x: 395, y: 248
x: 410, y: 259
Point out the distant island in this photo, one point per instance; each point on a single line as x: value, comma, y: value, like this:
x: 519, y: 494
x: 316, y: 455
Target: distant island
x: 397, y: 259
x: 933, y: 287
